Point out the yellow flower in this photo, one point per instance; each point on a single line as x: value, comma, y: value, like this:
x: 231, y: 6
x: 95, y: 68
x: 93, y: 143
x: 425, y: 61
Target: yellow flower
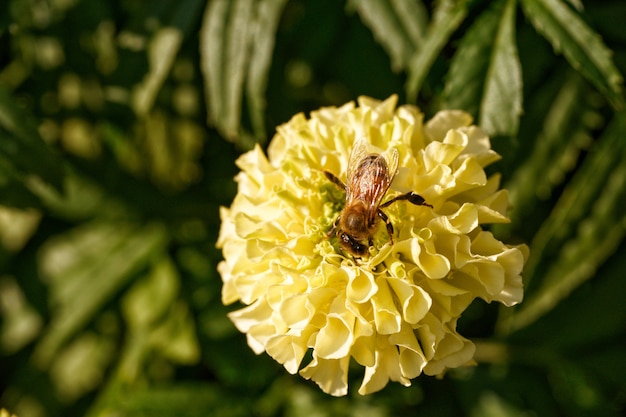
x: 395, y: 310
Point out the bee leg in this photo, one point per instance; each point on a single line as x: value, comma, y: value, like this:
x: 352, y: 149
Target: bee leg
x: 334, y: 179
x: 411, y: 197
x: 333, y: 229
x: 388, y: 224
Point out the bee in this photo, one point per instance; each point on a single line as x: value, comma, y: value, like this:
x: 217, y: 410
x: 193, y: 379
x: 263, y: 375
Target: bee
x: 369, y: 177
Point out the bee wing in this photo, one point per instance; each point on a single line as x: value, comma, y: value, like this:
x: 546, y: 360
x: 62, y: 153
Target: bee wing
x: 382, y: 177
x: 358, y: 152
x: 391, y: 156
x: 371, y: 183
x: 369, y: 176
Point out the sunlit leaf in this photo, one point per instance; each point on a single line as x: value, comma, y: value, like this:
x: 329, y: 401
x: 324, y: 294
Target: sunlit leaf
x: 163, y: 49
x: 265, y: 26
x: 154, y: 313
x: 99, y: 260
x: 577, y: 4
x: 224, y: 42
x: 501, y: 105
x: 236, y: 42
x: 148, y: 300
x: 578, y: 43
x: 446, y: 19
x: 485, y: 72
x: 465, y: 80
x: 79, y: 367
x: 399, y: 26
x: 20, y: 322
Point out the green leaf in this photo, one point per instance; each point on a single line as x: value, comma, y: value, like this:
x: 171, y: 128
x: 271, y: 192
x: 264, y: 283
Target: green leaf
x: 24, y: 153
x: 101, y: 259
x: 157, y: 317
x: 567, y: 327
x: 162, y: 50
x: 465, y: 80
x: 182, y: 400
x: 501, y: 105
x: 582, y: 193
x: 490, y: 404
x: 149, y: 299
x: 223, y: 48
x: 592, y: 205
x: 609, y: 364
x: 399, y: 26
x: 486, y: 72
x: 581, y: 46
x: 266, y: 24
x: 13, y: 191
x: 576, y: 390
x: 563, y: 135
x: 236, y: 43
x: 447, y: 17
x: 176, y: 338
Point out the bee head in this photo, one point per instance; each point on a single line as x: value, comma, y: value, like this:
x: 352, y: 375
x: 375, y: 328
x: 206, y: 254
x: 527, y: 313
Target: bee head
x: 351, y: 245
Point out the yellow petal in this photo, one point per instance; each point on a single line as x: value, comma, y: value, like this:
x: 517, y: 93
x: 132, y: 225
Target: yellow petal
x: 251, y: 315
x: 414, y: 300
x: 386, y: 367
x: 433, y: 264
x: 463, y: 221
x: 437, y: 127
x: 331, y: 375
x: 493, y: 209
x: 334, y: 339
x: 386, y: 315
x: 287, y: 350
x: 412, y: 359
x: 364, y: 344
x: 297, y: 311
x: 438, y: 153
x: 452, y: 351
x: 361, y: 285
x: 470, y: 174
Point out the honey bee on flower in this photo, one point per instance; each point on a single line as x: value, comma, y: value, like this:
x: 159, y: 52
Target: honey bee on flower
x: 307, y: 303
x: 369, y: 177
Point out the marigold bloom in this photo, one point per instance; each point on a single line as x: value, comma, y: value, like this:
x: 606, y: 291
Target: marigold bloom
x: 395, y: 311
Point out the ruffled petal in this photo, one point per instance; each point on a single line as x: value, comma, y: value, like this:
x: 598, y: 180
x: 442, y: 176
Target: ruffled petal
x: 331, y: 375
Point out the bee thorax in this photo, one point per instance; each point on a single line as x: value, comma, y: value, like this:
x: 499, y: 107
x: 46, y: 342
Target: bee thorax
x: 355, y: 223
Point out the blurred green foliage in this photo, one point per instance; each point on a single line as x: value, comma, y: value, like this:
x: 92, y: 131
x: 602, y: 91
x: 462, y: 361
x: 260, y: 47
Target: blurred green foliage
x: 119, y: 125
